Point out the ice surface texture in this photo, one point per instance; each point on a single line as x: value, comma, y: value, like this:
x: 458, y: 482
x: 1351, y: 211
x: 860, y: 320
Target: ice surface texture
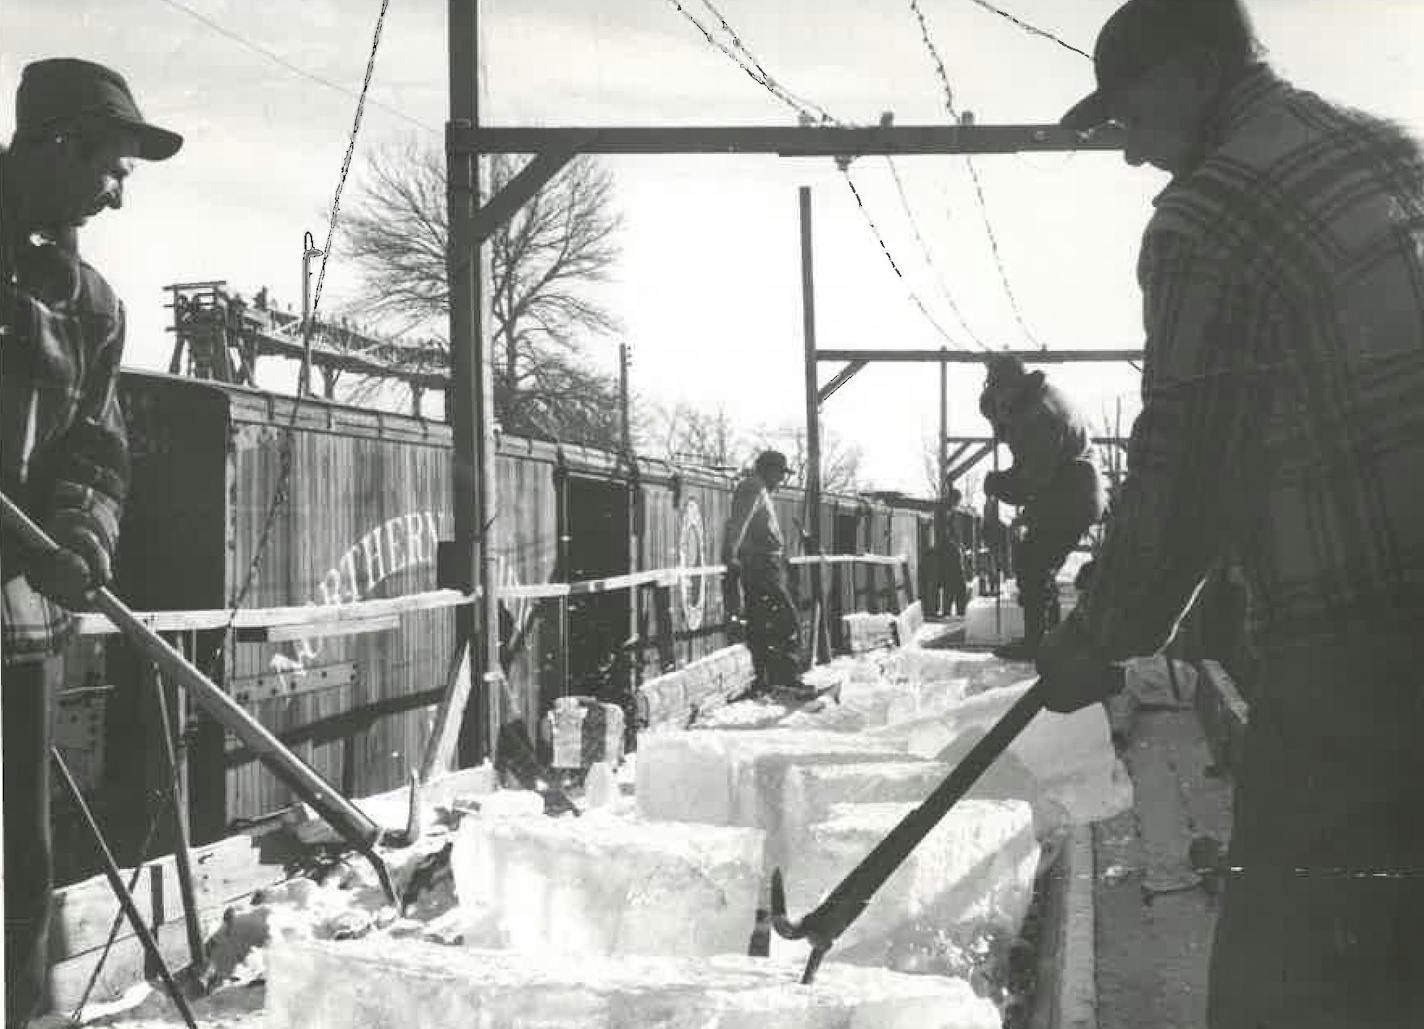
x: 369, y: 984
x: 606, y: 885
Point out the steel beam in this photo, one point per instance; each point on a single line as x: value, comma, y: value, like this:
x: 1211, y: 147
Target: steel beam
x: 959, y: 470
x: 519, y: 190
x: 839, y: 379
x: 981, y: 356
x: 784, y: 141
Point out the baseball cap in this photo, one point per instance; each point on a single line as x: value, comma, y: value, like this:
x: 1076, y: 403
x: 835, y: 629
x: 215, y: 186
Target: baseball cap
x: 62, y: 89
x: 1144, y: 34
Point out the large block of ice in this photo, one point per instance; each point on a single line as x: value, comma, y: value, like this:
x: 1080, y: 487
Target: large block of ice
x: 367, y: 984
x: 974, y: 871
x: 736, y: 778
x: 605, y: 885
x: 1065, y: 765
x: 811, y: 792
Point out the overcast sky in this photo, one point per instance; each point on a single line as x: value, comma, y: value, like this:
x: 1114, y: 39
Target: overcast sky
x: 708, y: 284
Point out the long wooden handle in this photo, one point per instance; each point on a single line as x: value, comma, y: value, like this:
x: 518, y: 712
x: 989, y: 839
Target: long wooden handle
x: 349, y: 821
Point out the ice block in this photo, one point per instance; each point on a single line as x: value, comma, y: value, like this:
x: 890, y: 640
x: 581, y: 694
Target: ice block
x: 973, y: 872
x: 607, y: 885
x: 387, y: 984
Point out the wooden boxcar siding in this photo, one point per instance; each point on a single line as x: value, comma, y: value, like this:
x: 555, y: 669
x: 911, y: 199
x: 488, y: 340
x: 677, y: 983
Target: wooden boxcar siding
x: 366, y: 499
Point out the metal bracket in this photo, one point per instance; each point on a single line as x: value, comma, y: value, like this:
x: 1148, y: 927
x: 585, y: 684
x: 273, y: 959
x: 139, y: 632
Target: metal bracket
x: 519, y: 190
x: 256, y: 688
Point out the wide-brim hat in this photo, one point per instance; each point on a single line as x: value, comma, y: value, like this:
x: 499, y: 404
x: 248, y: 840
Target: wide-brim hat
x: 1145, y: 34
x: 66, y: 90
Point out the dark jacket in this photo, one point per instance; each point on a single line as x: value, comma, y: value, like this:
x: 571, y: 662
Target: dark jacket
x: 63, y: 449
x: 1044, y: 431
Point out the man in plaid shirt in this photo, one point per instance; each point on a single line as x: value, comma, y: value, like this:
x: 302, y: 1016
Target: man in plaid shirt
x: 1283, y: 421
x: 63, y: 449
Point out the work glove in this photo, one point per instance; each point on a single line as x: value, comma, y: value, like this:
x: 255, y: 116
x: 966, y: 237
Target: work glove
x: 70, y: 574
x: 1075, y: 671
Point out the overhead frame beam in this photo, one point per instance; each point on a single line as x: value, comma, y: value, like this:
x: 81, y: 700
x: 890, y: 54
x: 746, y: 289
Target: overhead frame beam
x: 783, y: 141
x: 839, y: 379
x: 960, y: 469
x: 979, y: 357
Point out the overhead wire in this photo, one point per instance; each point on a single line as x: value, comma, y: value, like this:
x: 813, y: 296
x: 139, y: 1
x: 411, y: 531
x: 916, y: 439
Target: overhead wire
x: 983, y: 203
x: 812, y: 113
x: 295, y: 69
x: 1031, y: 29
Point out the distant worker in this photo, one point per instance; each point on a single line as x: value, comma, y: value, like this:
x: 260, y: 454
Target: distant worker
x: 1053, y: 481
x: 954, y: 587
x: 1282, y: 273
x: 65, y: 460
x: 753, y: 551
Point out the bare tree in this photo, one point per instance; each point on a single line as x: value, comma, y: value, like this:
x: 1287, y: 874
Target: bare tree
x: 684, y: 434
x: 544, y: 261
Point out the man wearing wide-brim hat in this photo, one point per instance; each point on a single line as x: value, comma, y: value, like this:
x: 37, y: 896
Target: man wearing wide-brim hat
x: 63, y: 449
x: 1283, y: 283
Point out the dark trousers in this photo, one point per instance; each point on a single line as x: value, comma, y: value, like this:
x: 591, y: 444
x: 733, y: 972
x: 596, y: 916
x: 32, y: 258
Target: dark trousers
x: 1320, y: 922
x: 773, y: 632
x: 1054, y: 522
x: 956, y: 589
x: 27, y: 695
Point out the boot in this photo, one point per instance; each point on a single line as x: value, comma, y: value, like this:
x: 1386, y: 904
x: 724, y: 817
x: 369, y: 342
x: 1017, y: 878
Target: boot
x: 1025, y: 649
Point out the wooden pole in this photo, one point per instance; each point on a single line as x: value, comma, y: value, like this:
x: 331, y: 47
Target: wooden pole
x: 471, y: 398
x: 941, y: 593
x: 813, y: 423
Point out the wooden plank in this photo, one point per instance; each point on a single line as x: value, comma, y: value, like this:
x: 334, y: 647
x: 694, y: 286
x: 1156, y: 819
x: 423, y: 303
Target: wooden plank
x: 345, y: 627
x: 82, y: 914
x: 439, y: 751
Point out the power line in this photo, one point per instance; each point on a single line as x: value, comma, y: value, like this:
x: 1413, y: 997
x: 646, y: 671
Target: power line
x: 1032, y: 30
x: 914, y: 297
x: 811, y: 113
x: 929, y: 259
x: 994, y: 250
x: 295, y: 69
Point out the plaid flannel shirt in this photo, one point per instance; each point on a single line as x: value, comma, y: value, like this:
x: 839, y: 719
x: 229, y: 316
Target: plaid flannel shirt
x: 1283, y: 383
x: 63, y: 448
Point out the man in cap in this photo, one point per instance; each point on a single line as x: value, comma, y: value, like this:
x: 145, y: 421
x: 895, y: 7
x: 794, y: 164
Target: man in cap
x: 1283, y: 281
x: 1053, y: 479
x: 77, y: 136
x: 753, y: 551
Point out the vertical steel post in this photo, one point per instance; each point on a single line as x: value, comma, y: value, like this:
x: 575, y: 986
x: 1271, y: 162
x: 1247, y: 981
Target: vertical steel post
x: 470, y: 395
x: 941, y: 593
x: 813, y: 424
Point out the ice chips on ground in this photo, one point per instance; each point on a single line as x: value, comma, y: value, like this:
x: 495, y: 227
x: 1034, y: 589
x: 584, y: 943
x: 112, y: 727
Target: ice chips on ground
x: 744, y: 714
x: 974, y: 871
x: 384, y: 985
x: 1064, y: 765
x: 605, y: 885
x: 512, y: 804
x: 736, y: 778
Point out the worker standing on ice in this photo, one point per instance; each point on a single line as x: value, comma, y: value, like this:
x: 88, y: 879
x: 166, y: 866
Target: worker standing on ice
x: 1283, y: 282
x: 753, y: 551
x: 77, y: 136
x: 1053, y: 480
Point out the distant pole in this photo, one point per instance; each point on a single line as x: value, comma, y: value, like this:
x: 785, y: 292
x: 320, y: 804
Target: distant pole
x: 941, y: 593
x: 309, y: 250
x: 813, y: 422
x: 471, y: 399
x: 625, y: 434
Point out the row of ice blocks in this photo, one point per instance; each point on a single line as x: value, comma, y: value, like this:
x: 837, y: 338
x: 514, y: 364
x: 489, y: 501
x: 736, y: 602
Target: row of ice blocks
x: 385, y: 984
